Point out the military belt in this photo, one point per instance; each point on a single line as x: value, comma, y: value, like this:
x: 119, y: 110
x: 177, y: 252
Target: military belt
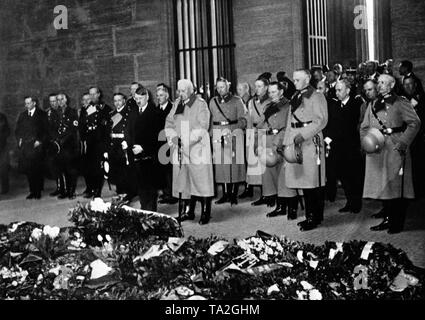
x: 224, y: 123
x: 390, y: 131
x: 300, y: 124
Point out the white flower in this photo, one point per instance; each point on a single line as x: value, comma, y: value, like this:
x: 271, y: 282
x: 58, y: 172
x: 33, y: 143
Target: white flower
x: 315, y: 295
x: 108, y: 238
x: 99, y: 205
x: 302, y: 295
x: 306, y: 286
x: 36, y: 233
x: 14, y: 283
x: 82, y: 245
x: 51, y: 232
x: 77, y: 235
x: 15, y: 226
x: 100, y: 238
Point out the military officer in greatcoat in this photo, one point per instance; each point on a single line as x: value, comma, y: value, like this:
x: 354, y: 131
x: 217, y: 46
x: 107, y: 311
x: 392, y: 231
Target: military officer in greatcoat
x: 228, y: 123
x: 389, y: 171
x: 417, y: 99
x: 52, y: 149
x: 256, y: 107
x: 187, y: 131
x: 118, y: 147
x: 273, y: 124
x: 94, y: 136
x: 307, y: 119
x: 31, y: 134
x: 69, y: 147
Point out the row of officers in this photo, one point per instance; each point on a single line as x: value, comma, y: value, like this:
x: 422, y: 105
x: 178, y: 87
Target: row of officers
x: 141, y: 147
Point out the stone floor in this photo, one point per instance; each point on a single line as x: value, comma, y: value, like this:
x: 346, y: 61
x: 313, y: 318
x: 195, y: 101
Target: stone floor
x: 238, y: 221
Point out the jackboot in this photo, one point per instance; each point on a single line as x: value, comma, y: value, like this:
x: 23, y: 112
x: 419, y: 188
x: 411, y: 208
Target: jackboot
x: 206, y: 211
x: 248, y: 192
x: 292, y: 208
x: 227, y: 189
x: 385, y: 224
x: 234, y: 194
x: 280, y: 209
x: 187, y: 210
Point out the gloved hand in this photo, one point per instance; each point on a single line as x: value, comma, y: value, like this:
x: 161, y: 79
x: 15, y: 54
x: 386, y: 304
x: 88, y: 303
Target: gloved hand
x: 328, y: 140
x: 124, y: 145
x: 298, y: 139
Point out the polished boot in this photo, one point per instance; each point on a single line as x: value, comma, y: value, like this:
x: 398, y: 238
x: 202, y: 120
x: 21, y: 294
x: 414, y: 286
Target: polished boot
x: 234, y: 194
x: 292, y: 208
x: 379, y: 215
x: 382, y: 226
x: 309, y: 225
x: 280, y: 210
x: 271, y: 201
x: 206, y: 211
x: 187, y: 210
x: 248, y: 192
x: 227, y: 189
x: 260, y: 202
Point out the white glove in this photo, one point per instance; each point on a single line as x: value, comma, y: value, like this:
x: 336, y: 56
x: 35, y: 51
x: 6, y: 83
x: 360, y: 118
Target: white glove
x: 414, y: 102
x: 105, y: 155
x: 137, y: 149
x: 124, y: 145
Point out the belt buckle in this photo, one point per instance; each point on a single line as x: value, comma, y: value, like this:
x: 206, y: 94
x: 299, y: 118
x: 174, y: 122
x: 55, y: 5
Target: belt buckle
x: 224, y: 123
x: 275, y: 131
x: 389, y: 131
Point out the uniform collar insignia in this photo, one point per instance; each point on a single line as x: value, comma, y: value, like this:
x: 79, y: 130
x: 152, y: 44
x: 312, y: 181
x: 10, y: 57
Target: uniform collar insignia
x: 225, y: 99
x: 263, y: 98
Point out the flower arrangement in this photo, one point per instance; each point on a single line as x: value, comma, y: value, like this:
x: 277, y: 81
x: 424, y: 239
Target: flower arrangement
x: 116, y: 253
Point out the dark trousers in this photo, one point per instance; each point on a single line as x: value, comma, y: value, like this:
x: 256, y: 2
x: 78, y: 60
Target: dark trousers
x: 68, y: 170
x: 4, y: 171
x: 35, y: 181
x: 167, y: 171
x: 418, y: 169
x: 147, y: 171
x: 314, y: 204
x: 396, y: 209
x: 347, y: 165
x: 93, y: 173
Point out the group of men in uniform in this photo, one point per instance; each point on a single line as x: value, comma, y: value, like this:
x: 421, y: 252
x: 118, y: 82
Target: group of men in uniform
x: 291, y: 139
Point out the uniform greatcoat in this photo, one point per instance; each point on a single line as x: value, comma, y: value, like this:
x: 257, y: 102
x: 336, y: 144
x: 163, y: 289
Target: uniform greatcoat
x: 312, y: 111
x: 228, y: 151
x: 190, y: 122
x: 256, y: 107
x: 274, y: 122
x: 383, y: 180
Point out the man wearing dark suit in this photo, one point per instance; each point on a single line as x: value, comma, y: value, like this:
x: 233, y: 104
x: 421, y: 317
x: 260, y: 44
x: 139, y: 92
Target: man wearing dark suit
x: 31, y: 133
x: 4, y: 154
x: 166, y: 170
x: 343, y: 138
x: 144, y: 128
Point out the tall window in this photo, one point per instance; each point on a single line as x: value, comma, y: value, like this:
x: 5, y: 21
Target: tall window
x: 204, y: 41
x: 317, y: 32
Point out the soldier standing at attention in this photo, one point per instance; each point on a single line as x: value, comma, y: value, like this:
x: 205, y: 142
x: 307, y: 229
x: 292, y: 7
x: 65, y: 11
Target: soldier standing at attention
x: 186, y: 129
x: 389, y: 172
x: 52, y: 149
x: 307, y: 119
x: 274, y: 122
x: 228, y: 123
x: 94, y: 135
x: 31, y: 133
x: 67, y: 139
x: 256, y: 107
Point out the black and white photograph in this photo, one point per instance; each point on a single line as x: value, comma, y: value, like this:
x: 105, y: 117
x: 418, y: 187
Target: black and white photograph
x: 215, y: 153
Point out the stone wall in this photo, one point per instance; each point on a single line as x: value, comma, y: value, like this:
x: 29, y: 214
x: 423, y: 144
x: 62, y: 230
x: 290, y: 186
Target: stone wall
x: 268, y: 37
x: 108, y: 43
x: 408, y: 33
